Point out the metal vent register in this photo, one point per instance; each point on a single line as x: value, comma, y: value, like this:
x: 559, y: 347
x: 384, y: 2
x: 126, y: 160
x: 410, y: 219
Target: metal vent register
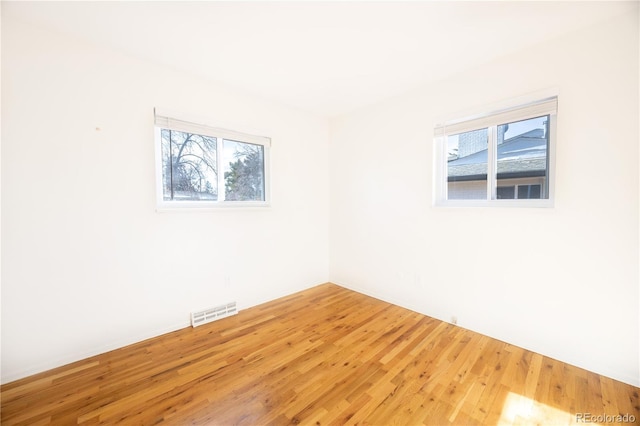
x: 213, y: 314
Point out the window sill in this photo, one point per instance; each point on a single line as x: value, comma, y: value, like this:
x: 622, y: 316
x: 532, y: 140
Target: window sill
x: 203, y: 207
x: 546, y: 203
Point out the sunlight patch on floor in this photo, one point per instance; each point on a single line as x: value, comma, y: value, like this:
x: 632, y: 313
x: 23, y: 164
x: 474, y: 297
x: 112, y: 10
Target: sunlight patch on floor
x: 520, y: 410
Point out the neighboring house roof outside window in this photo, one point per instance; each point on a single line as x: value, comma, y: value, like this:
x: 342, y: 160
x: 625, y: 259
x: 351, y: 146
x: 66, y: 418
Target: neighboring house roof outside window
x: 524, y: 155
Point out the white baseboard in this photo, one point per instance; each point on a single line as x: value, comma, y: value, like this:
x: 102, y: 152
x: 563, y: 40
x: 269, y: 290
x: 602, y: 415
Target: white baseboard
x: 10, y: 376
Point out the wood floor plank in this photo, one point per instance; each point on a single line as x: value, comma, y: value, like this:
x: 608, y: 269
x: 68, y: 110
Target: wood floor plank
x: 324, y: 356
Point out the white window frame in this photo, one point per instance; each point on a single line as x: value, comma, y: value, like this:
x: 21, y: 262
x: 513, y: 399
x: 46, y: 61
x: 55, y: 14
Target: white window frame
x: 169, y: 121
x: 517, y: 110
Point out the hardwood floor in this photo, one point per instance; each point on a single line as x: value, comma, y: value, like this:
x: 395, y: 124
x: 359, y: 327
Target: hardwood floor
x: 323, y: 356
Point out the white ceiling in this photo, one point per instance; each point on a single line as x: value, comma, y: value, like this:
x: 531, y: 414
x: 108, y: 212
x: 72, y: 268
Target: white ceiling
x: 324, y: 57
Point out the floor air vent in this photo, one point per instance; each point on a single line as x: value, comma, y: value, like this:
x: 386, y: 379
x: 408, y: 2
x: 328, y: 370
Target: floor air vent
x: 212, y: 314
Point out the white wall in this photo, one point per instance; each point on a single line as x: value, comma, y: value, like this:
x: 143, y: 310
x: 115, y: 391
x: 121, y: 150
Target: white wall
x: 88, y: 264
x: 561, y: 281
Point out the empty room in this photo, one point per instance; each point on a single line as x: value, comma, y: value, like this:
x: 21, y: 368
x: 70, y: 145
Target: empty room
x: 320, y: 212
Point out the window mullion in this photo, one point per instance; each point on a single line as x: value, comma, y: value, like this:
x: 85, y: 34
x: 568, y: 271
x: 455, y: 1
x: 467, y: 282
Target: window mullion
x: 492, y: 149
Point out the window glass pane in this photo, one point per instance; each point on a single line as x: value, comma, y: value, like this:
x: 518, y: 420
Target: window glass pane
x: 529, y: 191
x: 166, y: 164
x: 507, y: 192
x: 243, y: 171
x: 467, y: 165
x: 189, y: 169
x: 523, y: 155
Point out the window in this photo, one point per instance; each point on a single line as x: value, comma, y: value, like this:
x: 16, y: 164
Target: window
x: 202, y: 166
x: 503, y: 158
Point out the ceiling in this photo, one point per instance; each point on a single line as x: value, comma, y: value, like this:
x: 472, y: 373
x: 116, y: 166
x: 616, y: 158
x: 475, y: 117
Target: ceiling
x: 324, y: 57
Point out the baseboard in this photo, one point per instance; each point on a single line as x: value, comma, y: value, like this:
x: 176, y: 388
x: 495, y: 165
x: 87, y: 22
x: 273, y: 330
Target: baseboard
x: 8, y: 377
x: 629, y: 379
